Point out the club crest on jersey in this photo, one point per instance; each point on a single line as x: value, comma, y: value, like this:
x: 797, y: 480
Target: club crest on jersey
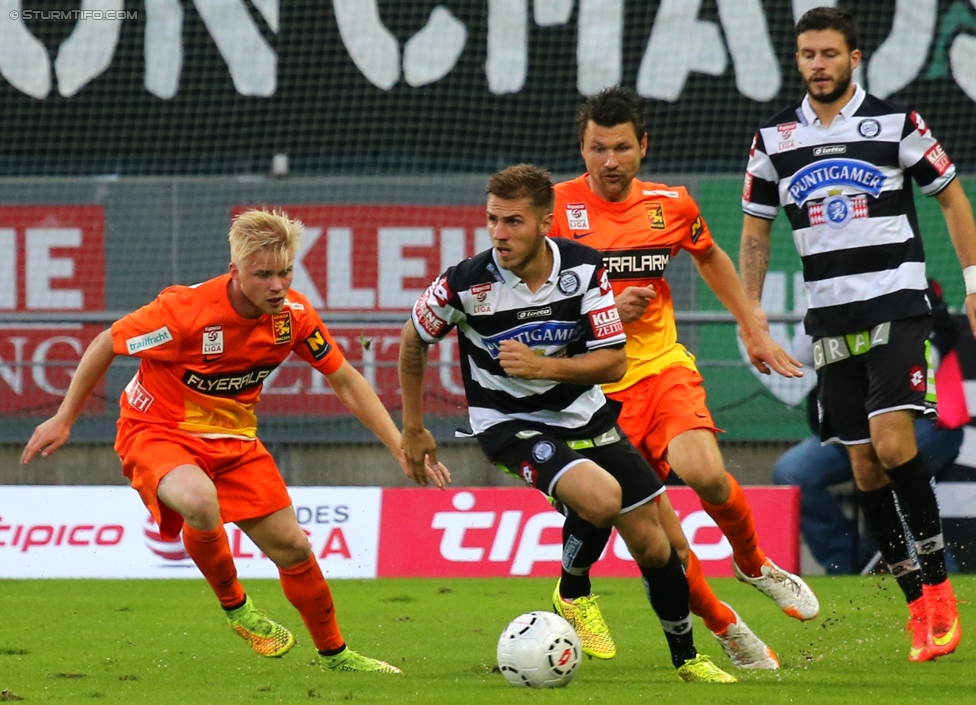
x: 569, y: 283
x: 577, y: 216
x: 823, y: 175
x: 869, y: 128
x: 213, y: 340
x: 281, y: 327
x: 655, y: 215
x: 837, y: 210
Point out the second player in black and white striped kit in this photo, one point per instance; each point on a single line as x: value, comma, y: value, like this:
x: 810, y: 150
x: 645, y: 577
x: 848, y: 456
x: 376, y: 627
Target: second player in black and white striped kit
x: 841, y: 163
x: 847, y: 191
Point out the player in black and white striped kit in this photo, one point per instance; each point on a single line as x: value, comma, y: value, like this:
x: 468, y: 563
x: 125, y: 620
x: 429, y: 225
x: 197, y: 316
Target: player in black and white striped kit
x: 841, y: 164
x: 539, y: 332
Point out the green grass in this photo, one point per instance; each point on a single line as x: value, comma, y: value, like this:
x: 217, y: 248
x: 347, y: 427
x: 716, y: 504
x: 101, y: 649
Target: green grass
x: 143, y: 641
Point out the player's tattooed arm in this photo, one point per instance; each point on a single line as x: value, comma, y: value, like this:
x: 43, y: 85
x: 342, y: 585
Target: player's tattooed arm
x: 419, y: 446
x: 754, y: 259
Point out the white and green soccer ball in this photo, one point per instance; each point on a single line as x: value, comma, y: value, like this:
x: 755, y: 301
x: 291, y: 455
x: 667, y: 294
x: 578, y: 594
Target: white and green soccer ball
x: 539, y: 650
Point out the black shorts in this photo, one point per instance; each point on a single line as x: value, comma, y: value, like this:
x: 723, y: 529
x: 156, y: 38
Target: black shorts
x: 882, y: 370
x: 540, y: 458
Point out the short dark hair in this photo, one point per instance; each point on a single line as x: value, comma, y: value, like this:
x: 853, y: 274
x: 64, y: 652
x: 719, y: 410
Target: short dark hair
x: 524, y: 181
x: 821, y: 18
x: 610, y: 107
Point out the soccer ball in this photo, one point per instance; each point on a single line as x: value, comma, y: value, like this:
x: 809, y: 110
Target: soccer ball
x: 539, y: 650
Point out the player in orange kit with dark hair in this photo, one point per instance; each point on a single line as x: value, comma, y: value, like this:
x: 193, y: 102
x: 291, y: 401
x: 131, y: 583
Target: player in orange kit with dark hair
x: 187, y: 435
x: 639, y: 226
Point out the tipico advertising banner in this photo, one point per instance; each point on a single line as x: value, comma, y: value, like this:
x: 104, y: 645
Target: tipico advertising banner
x: 106, y: 532
x: 514, y: 531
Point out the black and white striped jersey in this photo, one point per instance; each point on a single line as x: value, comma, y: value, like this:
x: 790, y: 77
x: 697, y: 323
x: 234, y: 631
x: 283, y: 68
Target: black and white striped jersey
x: 846, y: 191
x: 572, y: 313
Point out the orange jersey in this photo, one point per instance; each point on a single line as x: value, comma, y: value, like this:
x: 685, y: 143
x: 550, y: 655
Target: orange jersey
x: 203, y: 365
x: 637, y: 237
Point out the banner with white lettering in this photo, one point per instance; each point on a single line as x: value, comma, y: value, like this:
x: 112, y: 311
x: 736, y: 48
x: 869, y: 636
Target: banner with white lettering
x: 401, y: 86
x: 53, y: 260
x: 105, y: 532
x: 483, y: 532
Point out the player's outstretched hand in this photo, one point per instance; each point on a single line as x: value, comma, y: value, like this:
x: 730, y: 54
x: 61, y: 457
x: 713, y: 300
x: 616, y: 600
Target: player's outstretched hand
x: 766, y: 355
x: 970, y: 305
x: 47, y: 438
x: 419, y: 458
x: 519, y: 360
x: 632, y: 302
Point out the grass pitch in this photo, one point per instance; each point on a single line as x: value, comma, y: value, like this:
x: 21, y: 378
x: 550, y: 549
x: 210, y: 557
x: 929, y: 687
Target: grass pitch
x: 144, y: 641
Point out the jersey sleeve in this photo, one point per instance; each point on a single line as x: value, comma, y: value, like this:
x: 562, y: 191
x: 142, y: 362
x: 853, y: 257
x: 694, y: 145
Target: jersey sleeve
x: 760, y: 192
x: 696, y: 238
x: 921, y: 156
x: 601, y: 323
x: 437, y: 310
x: 152, y: 332
x: 315, y: 344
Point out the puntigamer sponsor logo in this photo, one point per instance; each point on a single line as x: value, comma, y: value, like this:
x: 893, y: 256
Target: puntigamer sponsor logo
x: 228, y: 384
x: 149, y: 340
x: 535, y: 335
x: 835, y: 172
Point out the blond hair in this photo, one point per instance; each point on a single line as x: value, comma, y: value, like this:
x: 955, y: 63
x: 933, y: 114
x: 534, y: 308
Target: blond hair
x: 258, y: 230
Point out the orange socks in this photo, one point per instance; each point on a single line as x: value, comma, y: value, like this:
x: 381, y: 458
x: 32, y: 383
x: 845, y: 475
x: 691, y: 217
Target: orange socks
x: 704, y: 603
x: 734, y: 518
x: 210, y: 550
x: 305, y: 587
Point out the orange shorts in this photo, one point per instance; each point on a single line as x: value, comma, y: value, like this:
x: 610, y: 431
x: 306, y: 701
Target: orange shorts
x: 659, y: 408
x: 247, y: 480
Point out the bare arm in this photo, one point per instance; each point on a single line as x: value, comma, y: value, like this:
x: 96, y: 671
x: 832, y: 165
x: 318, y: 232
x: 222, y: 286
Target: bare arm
x: 419, y: 447
x: 359, y: 397
x: 717, y: 270
x: 596, y: 367
x: 754, y: 260
x: 958, y: 214
x: 54, y: 433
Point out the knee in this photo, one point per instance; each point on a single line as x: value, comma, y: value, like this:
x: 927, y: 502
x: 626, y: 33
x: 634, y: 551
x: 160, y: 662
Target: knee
x: 712, y: 485
x: 602, y: 509
x: 653, y: 550
x: 202, y: 511
x: 291, y: 551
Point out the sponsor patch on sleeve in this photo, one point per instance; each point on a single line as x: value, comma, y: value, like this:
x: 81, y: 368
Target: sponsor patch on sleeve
x: 697, y: 228
x: 149, y: 340
x: 937, y: 157
x: 432, y: 324
x: 747, y: 188
x: 318, y: 345
x: 606, y: 323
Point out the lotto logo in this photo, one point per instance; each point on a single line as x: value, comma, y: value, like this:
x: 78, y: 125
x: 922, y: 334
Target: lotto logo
x: 916, y: 379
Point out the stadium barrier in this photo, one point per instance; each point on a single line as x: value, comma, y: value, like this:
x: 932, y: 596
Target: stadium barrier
x: 357, y: 532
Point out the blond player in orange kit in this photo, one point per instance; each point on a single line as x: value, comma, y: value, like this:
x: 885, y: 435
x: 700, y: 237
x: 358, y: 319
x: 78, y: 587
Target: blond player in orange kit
x: 187, y: 433
x: 639, y: 226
